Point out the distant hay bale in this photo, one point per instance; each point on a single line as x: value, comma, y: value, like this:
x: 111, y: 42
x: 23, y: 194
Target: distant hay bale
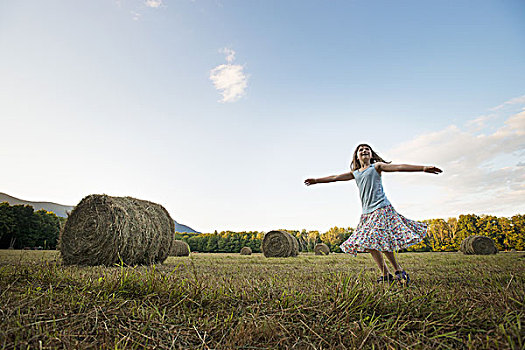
x: 295, y: 243
x: 483, y: 246
x: 279, y: 244
x: 478, y: 245
x: 321, y: 249
x: 465, y: 243
x: 246, y: 251
x: 462, y: 247
x: 180, y: 248
x: 104, y: 230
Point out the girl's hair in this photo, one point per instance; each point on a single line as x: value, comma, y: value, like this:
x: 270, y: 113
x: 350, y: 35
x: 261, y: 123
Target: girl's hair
x: 356, y: 164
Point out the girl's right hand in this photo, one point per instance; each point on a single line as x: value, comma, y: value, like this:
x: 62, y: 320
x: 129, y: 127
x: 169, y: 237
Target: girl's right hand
x: 432, y: 170
x: 309, y: 182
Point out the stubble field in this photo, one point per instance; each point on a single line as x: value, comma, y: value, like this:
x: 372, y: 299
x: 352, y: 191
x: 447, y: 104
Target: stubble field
x: 229, y: 301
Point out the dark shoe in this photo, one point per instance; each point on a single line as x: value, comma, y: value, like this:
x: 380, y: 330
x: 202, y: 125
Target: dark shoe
x: 388, y: 278
x: 402, y: 277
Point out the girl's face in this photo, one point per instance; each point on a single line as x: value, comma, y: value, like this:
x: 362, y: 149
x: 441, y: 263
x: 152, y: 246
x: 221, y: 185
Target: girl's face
x: 364, y: 154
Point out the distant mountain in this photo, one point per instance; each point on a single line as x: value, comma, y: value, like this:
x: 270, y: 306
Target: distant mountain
x: 58, y: 209
x: 62, y: 210
x: 183, y: 228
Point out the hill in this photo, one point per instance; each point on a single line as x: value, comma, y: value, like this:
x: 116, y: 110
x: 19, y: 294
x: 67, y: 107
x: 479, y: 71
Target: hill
x: 58, y: 209
x: 183, y: 228
x: 62, y: 210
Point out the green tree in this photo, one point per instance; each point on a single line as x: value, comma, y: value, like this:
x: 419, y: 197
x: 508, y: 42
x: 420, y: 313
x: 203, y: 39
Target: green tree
x: 518, y: 229
x: 335, y: 236
x: 489, y: 226
x: 439, y: 234
x: 7, y: 226
x: 313, y: 237
x: 507, y: 232
x: 453, y: 229
x: 48, y: 229
x: 467, y: 226
x: 26, y: 227
x: 212, y: 245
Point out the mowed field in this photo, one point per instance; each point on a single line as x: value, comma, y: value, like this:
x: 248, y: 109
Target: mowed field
x: 229, y: 301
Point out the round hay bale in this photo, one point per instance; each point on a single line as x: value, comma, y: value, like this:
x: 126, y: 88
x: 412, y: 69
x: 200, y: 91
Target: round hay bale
x: 482, y: 245
x: 104, y: 230
x: 478, y: 245
x: 321, y: 249
x: 465, y: 243
x: 246, y: 251
x: 279, y: 244
x: 295, y: 245
x: 180, y: 248
x: 467, y: 247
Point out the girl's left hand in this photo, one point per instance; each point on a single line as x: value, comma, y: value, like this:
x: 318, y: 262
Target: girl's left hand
x: 432, y: 170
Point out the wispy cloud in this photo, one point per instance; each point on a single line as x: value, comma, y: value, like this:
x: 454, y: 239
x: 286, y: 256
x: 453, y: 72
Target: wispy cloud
x: 230, y: 54
x: 483, y: 172
x: 229, y: 79
x: 515, y: 101
x: 153, y: 3
x: 135, y: 15
x: 138, y: 7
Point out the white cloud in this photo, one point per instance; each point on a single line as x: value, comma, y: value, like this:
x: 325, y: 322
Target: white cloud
x: 514, y: 101
x: 153, y: 3
x: 479, y: 123
x: 229, y: 79
x: 481, y: 172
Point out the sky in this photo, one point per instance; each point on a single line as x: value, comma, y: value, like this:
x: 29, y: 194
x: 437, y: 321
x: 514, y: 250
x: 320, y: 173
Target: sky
x: 219, y: 110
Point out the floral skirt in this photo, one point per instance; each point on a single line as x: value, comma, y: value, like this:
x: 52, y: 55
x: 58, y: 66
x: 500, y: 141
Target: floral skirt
x: 385, y: 230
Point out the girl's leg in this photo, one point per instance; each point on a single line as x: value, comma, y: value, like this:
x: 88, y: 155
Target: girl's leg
x: 378, y: 258
x: 401, y: 276
x: 390, y: 256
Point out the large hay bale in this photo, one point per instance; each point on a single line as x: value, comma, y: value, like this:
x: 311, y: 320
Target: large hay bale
x: 321, y: 249
x: 179, y: 248
x: 104, y: 230
x: 279, y: 244
x: 478, y: 245
x: 246, y: 251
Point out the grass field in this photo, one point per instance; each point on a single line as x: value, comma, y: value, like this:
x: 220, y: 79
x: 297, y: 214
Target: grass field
x: 228, y: 301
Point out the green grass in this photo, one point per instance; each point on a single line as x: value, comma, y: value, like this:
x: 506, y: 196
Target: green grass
x: 228, y: 301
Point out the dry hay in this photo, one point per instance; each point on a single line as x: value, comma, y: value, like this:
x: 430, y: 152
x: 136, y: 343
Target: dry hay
x: 180, y: 248
x: 104, y: 230
x: 295, y: 242
x: 321, y: 249
x: 478, y: 245
x: 462, y: 245
x: 246, y: 251
x: 279, y: 244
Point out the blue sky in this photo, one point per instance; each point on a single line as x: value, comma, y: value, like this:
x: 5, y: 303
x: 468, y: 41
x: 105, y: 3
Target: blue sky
x: 220, y: 109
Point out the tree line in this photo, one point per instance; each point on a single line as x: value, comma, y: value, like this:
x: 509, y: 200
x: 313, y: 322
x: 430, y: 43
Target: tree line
x: 443, y: 235
x: 447, y: 235
x: 21, y: 227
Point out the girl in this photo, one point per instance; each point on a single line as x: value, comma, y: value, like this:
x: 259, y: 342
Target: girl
x: 381, y: 228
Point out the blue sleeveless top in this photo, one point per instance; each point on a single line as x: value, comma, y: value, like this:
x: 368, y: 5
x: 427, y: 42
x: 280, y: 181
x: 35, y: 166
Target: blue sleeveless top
x: 370, y: 189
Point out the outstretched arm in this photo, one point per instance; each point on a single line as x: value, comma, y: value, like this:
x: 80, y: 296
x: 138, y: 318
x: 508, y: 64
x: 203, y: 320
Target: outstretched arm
x: 333, y: 178
x: 407, y: 167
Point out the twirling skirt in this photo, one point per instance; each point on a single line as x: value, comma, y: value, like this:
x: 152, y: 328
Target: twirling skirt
x: 385, y: 230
